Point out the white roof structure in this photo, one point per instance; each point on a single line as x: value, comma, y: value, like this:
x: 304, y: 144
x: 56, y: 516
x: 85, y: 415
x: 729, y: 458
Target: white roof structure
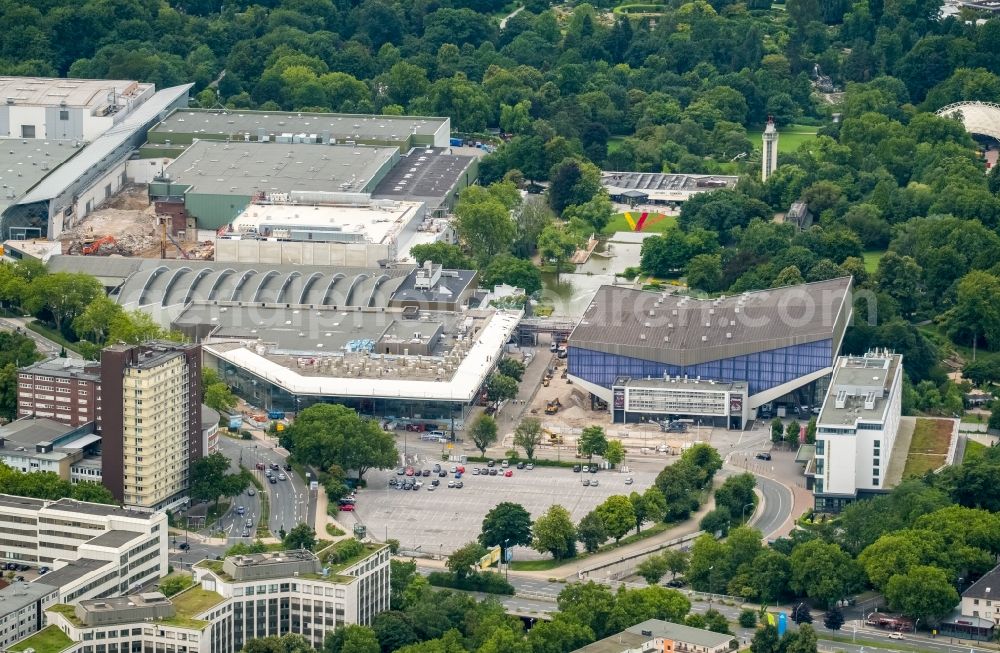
x: 378, y: 222
x: 52, y: 91
x: 982, y: 118
x: 462, y: 386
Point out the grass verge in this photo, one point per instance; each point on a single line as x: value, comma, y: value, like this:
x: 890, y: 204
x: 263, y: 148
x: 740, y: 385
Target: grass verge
x: 333, y: 531
x: 52, y: 335
x: 265, y: 508
x: 871, y: 258
x: 973, y: 451
x: 214, y: 512
x: 545, y: 565
x: 929, y: 447
x: 655, y: 223
x: 826, y: 634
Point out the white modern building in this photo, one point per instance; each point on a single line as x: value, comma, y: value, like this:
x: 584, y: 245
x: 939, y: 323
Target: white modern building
x: 21, y: 608
x: 234, y: 601
x: 709, y: 402
x: 769, y: 160
x: 856, y: 429
x: 57, y: 108
x: 94, y: 550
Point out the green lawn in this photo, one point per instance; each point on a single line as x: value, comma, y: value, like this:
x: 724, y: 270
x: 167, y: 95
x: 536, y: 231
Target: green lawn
x: 536, y: 565
x: 872, y: 257
x: 973, y: 450
x: 619, y: 223
x: 615, y: 143
x: 789, y: 138
x: 929, y: 446
x: 47, y: 640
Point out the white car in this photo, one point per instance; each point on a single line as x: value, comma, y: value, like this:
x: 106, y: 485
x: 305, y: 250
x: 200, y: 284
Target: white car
x: 451, y: 483
x: 896, y: 635
x: 629, y: 481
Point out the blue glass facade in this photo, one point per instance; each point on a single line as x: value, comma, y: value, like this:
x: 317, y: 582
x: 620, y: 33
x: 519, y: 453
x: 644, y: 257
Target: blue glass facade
x: 761, y: 371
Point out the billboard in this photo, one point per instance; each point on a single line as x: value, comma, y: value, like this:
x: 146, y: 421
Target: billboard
x: 735, y: 404
x: 619, y: 398
x: 491, y: 558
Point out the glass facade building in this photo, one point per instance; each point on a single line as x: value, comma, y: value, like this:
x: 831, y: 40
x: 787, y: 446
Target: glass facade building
x: 761, y: 371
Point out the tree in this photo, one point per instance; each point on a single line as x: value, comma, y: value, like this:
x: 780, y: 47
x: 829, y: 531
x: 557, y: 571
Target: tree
x: 716, y: 521
x: 63, y: 294
x: 289, y: 643
x: 592, y: 441
x: 595, y: 213
x: 823, y: 572
x: 652, y: 569
x: 717, y: 622
x: 811, y: 431
x: 93, y: 492
x: 801, y: 614
x: 219, y: 397
x: 572, y: 181
x: 591, y: 532
x: 637, y: 605
x: 923, y: 593
x: 792, y: 433
x: 777, y: 431
x: 517, y: 272
x: 747, y: 618
x: 483, y: 432
x: 448, y: 256
x: 736, y: 495
x: 324, y: 435
x: 676, y: 561
x: 833, y: 619
x: 96, y: 319
x: 463, y: 560
x: 617, y: 514
x: 556, y: 243
x: 554, y: 533
x: 704, y: 272
x: 394, y: 630
x: 511, y: 367
x: 500, y: 387
x: 528, y: 435
x: 558, y: 635
x: 209, y: 479
x: 765, y: 640
x: 352, y: 639
x: 484, y: 222
x: 506, y: 524
x: 614, y: 453
x: 300, y: 537
x: 803, y: 641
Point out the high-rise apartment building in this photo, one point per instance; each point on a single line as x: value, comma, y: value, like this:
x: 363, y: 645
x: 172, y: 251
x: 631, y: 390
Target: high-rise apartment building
x: 151, y: 404
x: 769, y: 160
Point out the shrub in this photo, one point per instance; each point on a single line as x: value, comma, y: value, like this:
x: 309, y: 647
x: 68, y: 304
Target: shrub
x: 748, y: 618
x: 343, y: 551
x: 489, y: 582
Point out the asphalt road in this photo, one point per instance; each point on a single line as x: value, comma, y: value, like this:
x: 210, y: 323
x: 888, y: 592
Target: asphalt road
x: 45, y: 346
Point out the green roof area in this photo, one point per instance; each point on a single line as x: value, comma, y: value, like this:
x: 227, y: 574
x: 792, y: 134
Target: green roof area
x: 215, y: 566
x: 370, y: 548
x: 67, y: 611
x: 47, y: 640
x: 188, y: 604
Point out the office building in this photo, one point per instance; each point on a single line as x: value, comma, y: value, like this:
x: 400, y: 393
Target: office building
x: 151, y: 404
x: 769, y: 153
x: 856, y: 429
x: 182, y: 127
x: 58, y: 108
x: 93, y: 549
x: 21, y: 606
x: 234, y: 601
x: 82, y: 169
x: 66, y: 390
x: 655, y: 635
x: 34, y: 444
x: 773, y: 343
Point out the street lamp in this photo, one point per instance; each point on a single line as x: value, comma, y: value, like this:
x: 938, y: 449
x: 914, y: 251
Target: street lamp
x: 744, y: 515
x: 711, y: 586
x: 505, y: 554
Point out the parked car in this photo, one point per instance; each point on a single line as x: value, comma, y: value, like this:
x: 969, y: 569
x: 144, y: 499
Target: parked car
x: 505, y: 464
x: 676, y: 582
x: 246, y: 532
x: 454, y: 469
x: 436, y: 468
x: 593, y: 469
x: 594, y: 483
x: 347, y: 507
x: 442, y: 474
x: 493, y: 472
x: 461, y: 469
x: 459, y: 484
x: 520, y: 465
x: 431, y: 488
x: 183, y: 546
x: 490, y: 463
x: 576, y: 468
x: 530, y: 466
x: 509, y: 473
x: 426, y: 472
x: 629, y: 481
x: 400, y: 471
x: 896, y: 635
x: 451, y: 483
x: 586, y: 482
x: 435, y: 483
x: 43, y: 570
x: 763, y: 456
x: 409, y: 471
x: 475, y: 471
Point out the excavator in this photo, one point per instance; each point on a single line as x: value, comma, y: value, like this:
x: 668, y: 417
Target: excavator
x: 95, y: 247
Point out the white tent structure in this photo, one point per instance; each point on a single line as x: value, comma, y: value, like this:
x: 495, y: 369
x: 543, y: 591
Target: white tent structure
x: 982, y: 118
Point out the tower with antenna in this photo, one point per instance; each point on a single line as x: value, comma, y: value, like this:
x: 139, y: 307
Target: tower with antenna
x: 769, y: 162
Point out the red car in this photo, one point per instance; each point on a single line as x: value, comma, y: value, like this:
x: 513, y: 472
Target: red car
x: 347, y: 507
x: 461, y: 469
x: 509, y: 472
x: 409, y: 471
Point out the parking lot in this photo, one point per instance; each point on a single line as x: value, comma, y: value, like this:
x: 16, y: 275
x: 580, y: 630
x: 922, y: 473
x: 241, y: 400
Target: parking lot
x: 444, y: 519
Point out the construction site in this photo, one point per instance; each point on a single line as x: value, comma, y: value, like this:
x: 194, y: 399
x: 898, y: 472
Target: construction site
x: 128, y: 225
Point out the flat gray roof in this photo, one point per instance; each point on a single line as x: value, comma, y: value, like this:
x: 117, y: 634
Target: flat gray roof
x: 115, y: 538
x: 74, y: 570
x: 303, y: 331
x: 65, y: 368
x: 21, y: 503
x: 424, y: 173
x: 681, y: 384
x: 20, y: 595
x: 448, y: 288
x: 51, y: 91
x: 651, y: 182
x: 98, y: 509
x: 219, y: 168
x: 29, y: 431
x: 678, y: 330
x: 342, y: 126
x: 634, y: 636
x: 854, y: 380
x: 25, y: 162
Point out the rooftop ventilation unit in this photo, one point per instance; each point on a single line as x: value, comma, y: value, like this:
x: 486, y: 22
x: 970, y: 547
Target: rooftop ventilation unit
x: 870, y: 401
x: 841, y: 399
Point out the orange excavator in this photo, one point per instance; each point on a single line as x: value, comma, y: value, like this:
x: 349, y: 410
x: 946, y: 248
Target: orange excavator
x: 95, y: 247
